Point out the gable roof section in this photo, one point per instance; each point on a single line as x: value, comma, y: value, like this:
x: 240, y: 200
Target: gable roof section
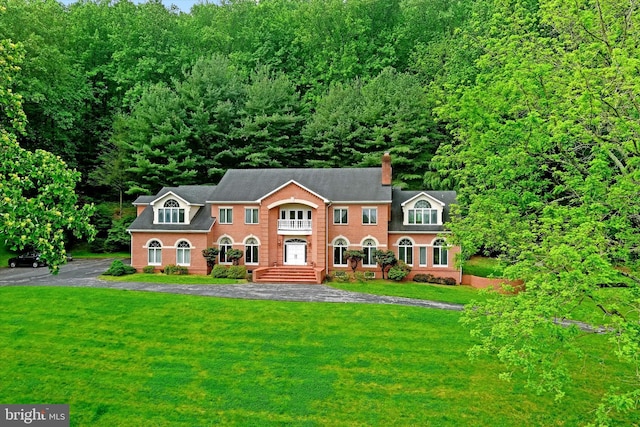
x: 192, y: 194
x: 172, y: 196
x: 401, y: 197
x: 296, y: 184
x: 336, y: 185
x: 426, y: 196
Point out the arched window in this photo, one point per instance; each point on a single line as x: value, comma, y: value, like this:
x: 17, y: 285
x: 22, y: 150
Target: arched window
x: 225, y: 246
x: 339, y: 249
x: 369, y: 247
x: 440, y: 253
x: 251, y: 251
x: 423, y: 213
x: 183, y: 253
x: 171, y: 213
x: 405, y: 251
x: 155, y: 253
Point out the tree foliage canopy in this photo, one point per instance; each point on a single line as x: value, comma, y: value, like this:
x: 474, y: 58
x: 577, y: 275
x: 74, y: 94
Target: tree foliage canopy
x: 36, y: 188
x: 546, y: 161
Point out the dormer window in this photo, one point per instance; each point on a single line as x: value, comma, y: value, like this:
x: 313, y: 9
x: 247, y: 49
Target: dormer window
x: 423, y: 213
x: 171, y: 213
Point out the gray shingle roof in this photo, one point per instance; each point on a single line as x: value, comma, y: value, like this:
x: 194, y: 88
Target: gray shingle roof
x: 194, y: 194
x: 401, y: 196
x: 336, y: 185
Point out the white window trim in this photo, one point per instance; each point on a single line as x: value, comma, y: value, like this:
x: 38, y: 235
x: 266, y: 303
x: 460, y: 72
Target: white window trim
x: 345, y: 208
x: 375, y: 247
x: 155, y: 250
x: 245, y: 250
x: 369, y: 223
x: 426, y: 255
x: 246, y: 209
x: 220, y: 244
x: 448, y: 248
x: 186, y: 210
x: 220, y: 208
x: 333, y: 251
x: 413, y: 252
x: 178, y: 248
x: 438, y: 207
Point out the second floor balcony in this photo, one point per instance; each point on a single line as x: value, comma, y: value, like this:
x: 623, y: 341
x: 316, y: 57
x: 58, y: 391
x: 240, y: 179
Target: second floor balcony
x: 294, y: 226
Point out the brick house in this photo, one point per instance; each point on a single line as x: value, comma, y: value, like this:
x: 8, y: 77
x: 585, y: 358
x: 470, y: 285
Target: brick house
x: 295, y: 224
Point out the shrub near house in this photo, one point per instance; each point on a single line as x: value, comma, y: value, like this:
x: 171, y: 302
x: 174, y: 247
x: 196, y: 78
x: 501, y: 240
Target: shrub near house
x: 296, y: 225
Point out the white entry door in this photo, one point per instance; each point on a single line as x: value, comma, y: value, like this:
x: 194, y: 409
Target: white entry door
x: 295, y: 253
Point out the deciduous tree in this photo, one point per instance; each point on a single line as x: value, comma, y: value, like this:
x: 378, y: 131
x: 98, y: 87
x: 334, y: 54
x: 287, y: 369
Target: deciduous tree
x: 38, y: 202
x: 385, y: 259
x: 547, y: 163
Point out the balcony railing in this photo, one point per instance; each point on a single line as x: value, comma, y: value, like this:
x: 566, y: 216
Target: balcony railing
x: 294, y: 225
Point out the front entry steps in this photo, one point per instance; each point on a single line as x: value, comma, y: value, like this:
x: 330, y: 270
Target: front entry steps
x: 301, y: 274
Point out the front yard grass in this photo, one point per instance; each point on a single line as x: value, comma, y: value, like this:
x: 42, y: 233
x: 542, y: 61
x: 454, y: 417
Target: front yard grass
x: 130, y: 358
x: 424, y: 291
x: 177, y: 279
x: 483, y: 267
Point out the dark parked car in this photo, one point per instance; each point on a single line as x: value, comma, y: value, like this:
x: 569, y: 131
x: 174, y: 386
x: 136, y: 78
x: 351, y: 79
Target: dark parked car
x: 31, y: 259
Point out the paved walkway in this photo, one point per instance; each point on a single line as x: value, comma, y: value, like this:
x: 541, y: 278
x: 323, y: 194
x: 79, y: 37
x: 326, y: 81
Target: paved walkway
x: 84, y: 273
x: 276, y: 292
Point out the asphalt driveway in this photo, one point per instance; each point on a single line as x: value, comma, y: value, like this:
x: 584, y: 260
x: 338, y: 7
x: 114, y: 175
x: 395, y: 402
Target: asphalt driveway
x: 85, y: 272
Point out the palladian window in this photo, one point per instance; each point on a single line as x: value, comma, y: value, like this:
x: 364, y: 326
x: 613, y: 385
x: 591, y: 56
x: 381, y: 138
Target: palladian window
x: 171, y: 213
x: 423, y: 213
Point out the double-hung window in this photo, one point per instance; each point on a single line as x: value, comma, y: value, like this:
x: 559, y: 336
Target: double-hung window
x: 369, y: 215
x: 226, y: 215
x: 340, y: 215
x: 250, y: 215
x: 422, y: 252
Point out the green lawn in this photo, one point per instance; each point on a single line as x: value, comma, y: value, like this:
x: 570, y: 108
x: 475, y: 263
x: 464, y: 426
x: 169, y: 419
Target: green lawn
x: 187, y: 279
x: 425, y: 291
x: 123, y: 358
x: 483, y: 267
x: 5, y: 254
x: 81, y: 250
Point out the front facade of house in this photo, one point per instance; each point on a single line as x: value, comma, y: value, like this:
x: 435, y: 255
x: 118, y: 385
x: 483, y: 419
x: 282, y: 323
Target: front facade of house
x: 295, y: 225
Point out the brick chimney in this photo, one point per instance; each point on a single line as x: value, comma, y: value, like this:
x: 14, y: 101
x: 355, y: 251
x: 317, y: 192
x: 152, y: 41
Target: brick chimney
x: 386, y: 169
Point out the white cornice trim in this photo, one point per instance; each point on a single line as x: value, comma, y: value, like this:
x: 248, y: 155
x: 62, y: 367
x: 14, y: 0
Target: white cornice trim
x: 423, y: 194
x: 172, y: 194
x: 324, y: 199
